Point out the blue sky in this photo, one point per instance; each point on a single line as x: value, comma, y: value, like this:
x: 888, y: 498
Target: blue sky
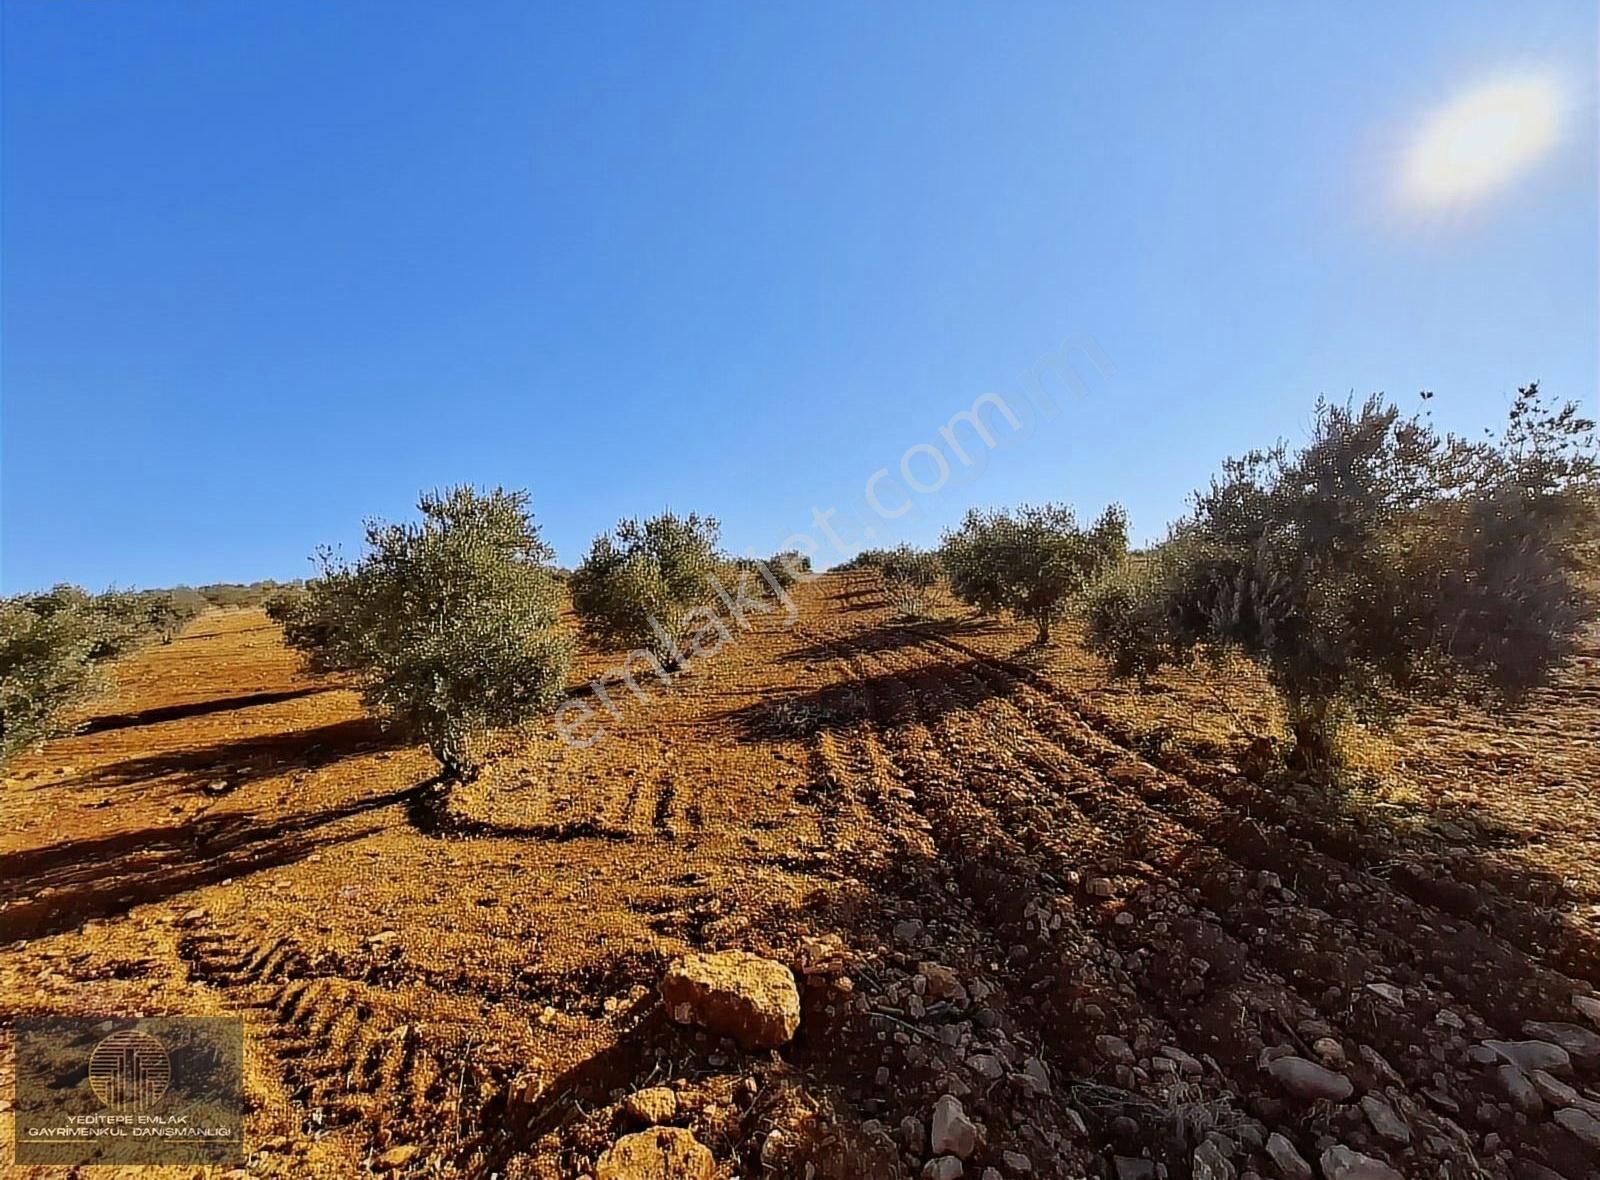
x: 269, y: 268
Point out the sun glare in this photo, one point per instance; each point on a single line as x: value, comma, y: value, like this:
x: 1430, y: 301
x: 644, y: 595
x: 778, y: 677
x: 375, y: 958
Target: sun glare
x: 1481, y: 140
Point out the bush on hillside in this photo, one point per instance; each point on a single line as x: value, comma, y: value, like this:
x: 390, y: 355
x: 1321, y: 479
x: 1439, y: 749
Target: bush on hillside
x: 867, y: 559
x: 449, y: 625
x: 238, y: 593
x: 1381, y: 560
x: 46, y: 669
x: 908, y: 574
x: 53, y: 646
x: 1032, y: 562
x: 639, y: 586
x: 789, y: 567
x: 281, y: 606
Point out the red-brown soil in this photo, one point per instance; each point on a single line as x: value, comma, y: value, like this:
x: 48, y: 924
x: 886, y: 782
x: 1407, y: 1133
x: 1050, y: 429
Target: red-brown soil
x: 855, y: 797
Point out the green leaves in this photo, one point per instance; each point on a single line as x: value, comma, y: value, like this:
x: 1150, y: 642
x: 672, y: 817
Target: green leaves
x: 52, y: 648
x: 1031, y: 561
x: 1382, y: 558
x: 908, y: 575
x: 652, y: 571
x: 450, y: 624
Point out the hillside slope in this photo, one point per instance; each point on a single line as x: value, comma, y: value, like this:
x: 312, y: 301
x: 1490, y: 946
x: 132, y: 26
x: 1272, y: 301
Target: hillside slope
x: 1133, y: 928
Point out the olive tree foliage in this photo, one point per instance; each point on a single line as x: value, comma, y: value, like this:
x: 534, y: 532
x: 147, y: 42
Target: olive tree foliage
x: 908, y: 574
x: 867, y: 559
x: 642, y: 585
x: 1382, y: 560
x: 449, y: 624
x: 1032, y: 562
x: 54, y: 647
x: 788, y: 567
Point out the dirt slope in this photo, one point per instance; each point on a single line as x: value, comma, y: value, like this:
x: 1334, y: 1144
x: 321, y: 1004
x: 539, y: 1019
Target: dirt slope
x: 1133, y: 927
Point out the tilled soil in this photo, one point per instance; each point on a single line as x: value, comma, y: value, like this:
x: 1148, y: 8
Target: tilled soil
x: 998, y: 875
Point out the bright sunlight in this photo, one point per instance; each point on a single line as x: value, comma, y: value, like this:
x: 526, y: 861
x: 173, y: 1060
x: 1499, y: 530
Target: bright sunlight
x: 1481, y: 140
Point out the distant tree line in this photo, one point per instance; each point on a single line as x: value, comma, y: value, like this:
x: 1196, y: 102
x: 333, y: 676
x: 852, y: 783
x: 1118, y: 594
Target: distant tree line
x: 1380, y: 560
x: 56, y: 645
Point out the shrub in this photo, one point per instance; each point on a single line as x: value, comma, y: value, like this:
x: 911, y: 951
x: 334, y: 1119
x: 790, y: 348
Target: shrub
x: 1031, y: 562
x: 52, y: 647
x: 789, y: 567
x: 640, y: 586
x: 238, y: 593
x: 1382, y: 559
x: 46, y: 669
x: 282, y: 606
x: 867, y: 559
x: 450, y: 625
x: 908, y: 574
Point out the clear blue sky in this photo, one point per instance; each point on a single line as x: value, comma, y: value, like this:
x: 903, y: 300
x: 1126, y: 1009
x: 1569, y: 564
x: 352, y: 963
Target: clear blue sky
x: 271, y: 267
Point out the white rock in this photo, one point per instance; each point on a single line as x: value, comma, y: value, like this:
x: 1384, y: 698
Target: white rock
x: 953, y: 1132
x: 1340, y: 1163
x: 945, y: 1167
x: 1309, y: 1081
x: 1290, y: 1163
x: 1553, y: 1090
x: 1035, y: 1069
x: 1530, y: 1055
x: 1384, y: 1120
x: 985, y: 1066
x: 1579, y: 1042
x: 1210, y: 1164
x: 1581, y: 1123
x: 1520, y: 1090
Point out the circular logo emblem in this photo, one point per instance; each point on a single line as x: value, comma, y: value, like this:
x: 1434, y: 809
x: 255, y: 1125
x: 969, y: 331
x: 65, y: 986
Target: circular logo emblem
x: 129, y: 1069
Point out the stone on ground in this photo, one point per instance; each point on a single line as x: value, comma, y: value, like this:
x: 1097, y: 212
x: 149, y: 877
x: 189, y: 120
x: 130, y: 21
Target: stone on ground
x: 1308, y: 1081
x: 657, y: 1104
x: 662, y: 1153
x: 953, y: 1132
x: 734, y: 994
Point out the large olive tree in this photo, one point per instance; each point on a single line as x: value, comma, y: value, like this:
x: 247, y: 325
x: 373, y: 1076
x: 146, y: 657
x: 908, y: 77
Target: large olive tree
x: 449, y: 624
x: 1383, y: 559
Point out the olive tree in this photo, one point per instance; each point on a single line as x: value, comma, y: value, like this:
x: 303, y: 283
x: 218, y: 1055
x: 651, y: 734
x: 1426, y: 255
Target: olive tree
x: 54, y: 646
x: 788, y: 567
x: 908, y: 574
x: 1381, y: 560
x: 1032, y: 561
x: 643, y: 585
x: 46, y: 670
x: 450, y: 624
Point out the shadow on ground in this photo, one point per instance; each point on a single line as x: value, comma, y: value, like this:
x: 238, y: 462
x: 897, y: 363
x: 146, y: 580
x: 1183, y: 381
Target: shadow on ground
x: 245, y: 759
x: 111, y: 721
x: 55, y: 888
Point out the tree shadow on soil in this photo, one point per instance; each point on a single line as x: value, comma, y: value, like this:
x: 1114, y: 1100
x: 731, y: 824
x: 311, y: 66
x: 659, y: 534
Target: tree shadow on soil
x: 893, y: 636
x: 430, y: 812
x: 244, y: 759
x: 111, y: 721
x: 934, y: 689
x: 47, y: 890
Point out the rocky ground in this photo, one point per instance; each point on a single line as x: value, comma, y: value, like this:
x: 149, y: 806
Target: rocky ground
x: 855, y: 899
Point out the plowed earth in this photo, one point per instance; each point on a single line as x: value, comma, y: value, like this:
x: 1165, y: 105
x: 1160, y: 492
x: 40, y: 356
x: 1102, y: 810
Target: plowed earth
x: 1136, y: 925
